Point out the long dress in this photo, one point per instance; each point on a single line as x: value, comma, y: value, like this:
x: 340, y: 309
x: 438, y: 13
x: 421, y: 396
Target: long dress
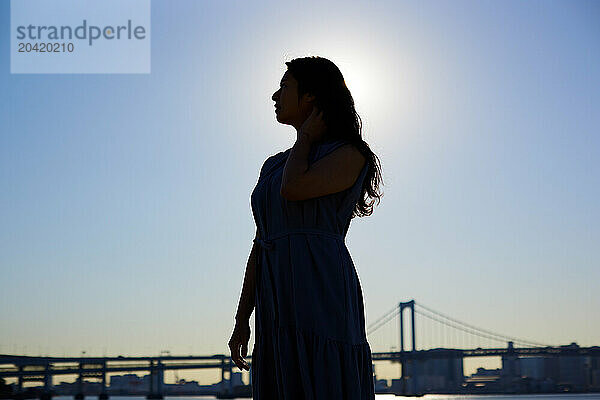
x: 310, y: 340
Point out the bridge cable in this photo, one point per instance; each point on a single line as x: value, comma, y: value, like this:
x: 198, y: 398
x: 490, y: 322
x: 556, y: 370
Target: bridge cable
x: 395, y: 309
x: 458, y: 327
x: 504, y: 337
x: 373, y: 328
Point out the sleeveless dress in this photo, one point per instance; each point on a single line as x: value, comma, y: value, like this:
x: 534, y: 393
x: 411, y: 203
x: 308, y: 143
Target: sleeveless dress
x: 310, y: 340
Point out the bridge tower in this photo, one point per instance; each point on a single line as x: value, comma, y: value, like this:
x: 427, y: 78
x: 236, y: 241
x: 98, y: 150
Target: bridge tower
x: 407, y: 374
x: 411, y: 305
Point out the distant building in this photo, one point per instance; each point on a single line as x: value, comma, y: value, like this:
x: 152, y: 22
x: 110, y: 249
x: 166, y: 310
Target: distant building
x: 567, y: 372
x: 486, y: 372
x: 511, y: 366
x: 483, y: 378
x: 533, y: 367
x: 236, y: 379
x: 444, y: 374
x: 381, y: 384
x: 396, y: 385
x: 572, y: 372
x: 594, y: 373
x: 129, y: 383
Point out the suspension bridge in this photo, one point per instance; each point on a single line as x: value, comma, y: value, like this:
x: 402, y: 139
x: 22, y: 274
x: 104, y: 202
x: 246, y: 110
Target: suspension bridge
x: 436, y: 367
x: 441, y: 329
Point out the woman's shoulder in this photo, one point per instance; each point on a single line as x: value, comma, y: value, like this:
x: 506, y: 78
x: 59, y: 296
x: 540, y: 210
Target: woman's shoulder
x: 317, y: 151
x: 271, y: 161
x: 324, y: 148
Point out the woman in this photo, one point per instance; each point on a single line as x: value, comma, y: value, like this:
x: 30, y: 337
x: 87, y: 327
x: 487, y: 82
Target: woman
x: 310, y: 328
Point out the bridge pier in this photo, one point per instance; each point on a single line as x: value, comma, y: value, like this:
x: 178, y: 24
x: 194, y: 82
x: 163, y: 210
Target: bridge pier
x: 79, y: 395
x: 103, y: 395
x: 229, y: 368
x: 159, y: 373
x: 20, y: 382
x: 226, y: 367
x: 222, y: 369
x: 47, y: 394
x: 47, y: 379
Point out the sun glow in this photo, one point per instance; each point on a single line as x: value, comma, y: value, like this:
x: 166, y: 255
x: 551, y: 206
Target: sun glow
x: 362, y: 82
x: 372, y: 91
x: 380, y: 78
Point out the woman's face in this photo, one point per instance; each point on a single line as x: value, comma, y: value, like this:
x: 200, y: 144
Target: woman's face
x: 288, y: 109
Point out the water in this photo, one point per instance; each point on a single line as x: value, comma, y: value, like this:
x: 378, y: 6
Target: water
x: 559, y: 396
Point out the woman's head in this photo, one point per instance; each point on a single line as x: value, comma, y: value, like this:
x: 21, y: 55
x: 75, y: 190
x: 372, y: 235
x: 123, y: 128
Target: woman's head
x: 316, y: 81
x: 291, y: 108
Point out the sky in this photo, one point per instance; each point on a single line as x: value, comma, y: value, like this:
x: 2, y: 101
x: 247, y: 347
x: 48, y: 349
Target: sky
x: 125, y: 220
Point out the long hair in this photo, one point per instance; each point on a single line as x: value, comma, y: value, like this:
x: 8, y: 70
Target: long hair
x: 323, y: 79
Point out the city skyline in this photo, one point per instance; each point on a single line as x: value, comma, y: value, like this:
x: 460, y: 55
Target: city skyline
x: 126, y: 220
x: 523, y: 370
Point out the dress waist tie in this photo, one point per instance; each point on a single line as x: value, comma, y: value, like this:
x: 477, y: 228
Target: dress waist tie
x: 269, y: 244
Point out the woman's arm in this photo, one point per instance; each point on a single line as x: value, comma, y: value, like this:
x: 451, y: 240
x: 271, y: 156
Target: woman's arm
x: 246, y: 304
x: 331, y: 174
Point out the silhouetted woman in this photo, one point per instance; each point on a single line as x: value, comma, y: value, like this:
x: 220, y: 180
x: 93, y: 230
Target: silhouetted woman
x: 310, y: 326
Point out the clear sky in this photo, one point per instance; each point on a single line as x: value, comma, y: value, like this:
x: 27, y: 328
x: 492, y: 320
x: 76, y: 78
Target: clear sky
x: 125, y: 220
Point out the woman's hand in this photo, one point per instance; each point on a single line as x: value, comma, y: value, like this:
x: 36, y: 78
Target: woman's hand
x: 240, y: 337
x: 314, y: 127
